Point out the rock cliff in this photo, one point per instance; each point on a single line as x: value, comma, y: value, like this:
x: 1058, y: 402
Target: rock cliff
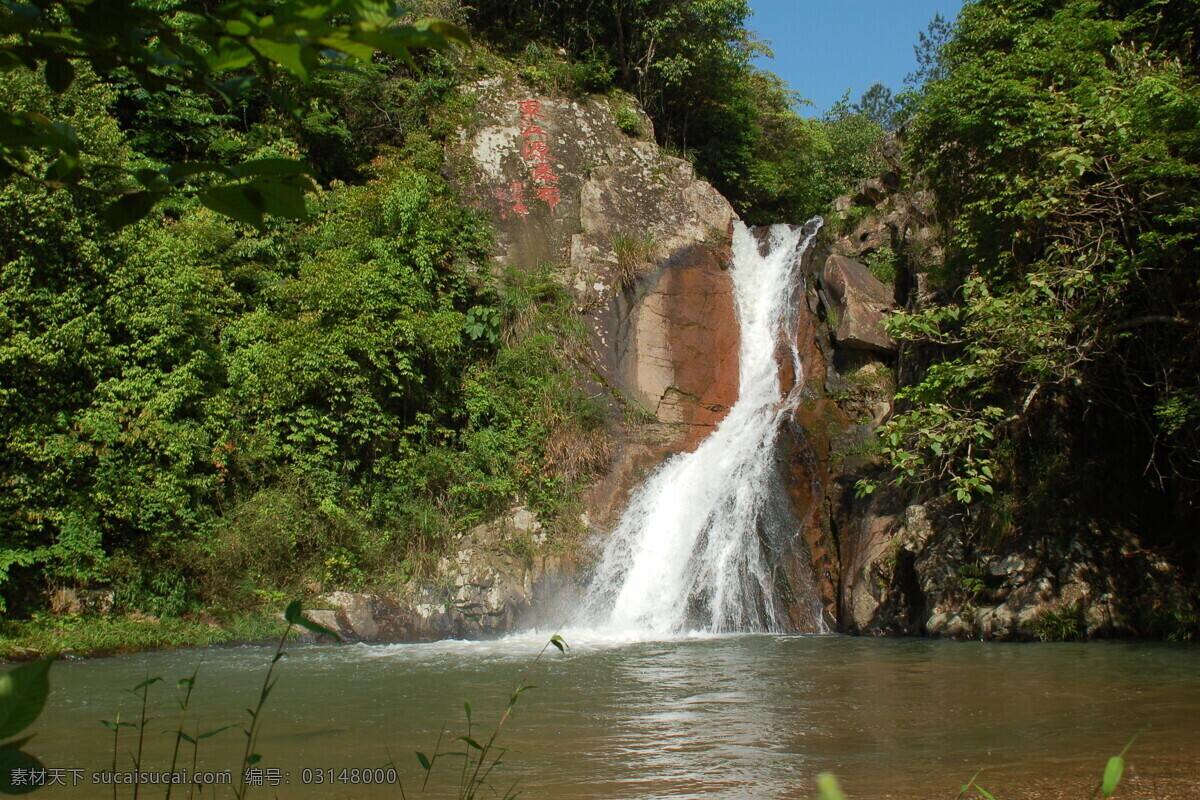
x: 911, y: 562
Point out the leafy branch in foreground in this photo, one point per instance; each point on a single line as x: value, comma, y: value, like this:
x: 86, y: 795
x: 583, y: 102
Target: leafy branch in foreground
x: 23, y: 693
x: 227, y: 52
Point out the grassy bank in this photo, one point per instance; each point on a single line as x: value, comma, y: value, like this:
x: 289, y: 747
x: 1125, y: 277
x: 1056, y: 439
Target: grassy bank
x: 87, y: 635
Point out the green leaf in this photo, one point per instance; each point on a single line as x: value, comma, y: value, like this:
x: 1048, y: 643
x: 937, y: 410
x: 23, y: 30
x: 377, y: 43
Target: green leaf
x: 273, y: 166
x: 342, y: 43
x: 59, y: 74
x: 1112, y: 775
x: 130, y: 208
x: 471, y: 742
x: 467, y: 708
x: 292, y: 612
x: 212, y: 733
x: 237, y: 202
x: 229, y: 57
x: 64, y: 169
x: 290, y: 55
x: 11, y: 760
x: 316, y: 627
x: 233, y: 89
x: 23, y: 694
x: 425, y: 763
x: 112, y: 726
x: 827, y: 788
x: 560, y: 643
x: 447, y: 30
x: 282, y: 198
x: 253, y: 759
x: 145, y: 684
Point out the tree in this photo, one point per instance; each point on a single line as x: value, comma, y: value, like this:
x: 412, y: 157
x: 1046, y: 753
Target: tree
x: 878, y: 105
x: 1060, y: 140
x: 227, y: 52
x: 928, y: 51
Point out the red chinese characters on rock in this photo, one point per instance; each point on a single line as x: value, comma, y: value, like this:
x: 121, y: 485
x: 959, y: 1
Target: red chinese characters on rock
x: 535, y: 150
x: 512, y: 198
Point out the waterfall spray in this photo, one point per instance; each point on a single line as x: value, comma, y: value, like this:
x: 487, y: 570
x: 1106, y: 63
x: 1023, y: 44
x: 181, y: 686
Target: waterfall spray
x: 689, y: 550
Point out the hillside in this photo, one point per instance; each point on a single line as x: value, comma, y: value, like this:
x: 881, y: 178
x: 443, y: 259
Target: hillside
x: 507, y: 301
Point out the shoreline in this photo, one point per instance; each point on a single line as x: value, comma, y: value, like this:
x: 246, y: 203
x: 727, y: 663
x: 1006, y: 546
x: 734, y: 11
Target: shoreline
x: 87, y: 636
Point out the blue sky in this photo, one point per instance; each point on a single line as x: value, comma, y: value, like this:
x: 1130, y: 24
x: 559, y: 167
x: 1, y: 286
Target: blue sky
x: 824, y: 47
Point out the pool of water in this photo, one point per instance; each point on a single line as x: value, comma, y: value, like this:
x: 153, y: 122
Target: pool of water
x: 745, y: 716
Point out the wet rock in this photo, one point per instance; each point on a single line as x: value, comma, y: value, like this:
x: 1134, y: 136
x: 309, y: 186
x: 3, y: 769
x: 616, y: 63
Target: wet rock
x: 948, y: 625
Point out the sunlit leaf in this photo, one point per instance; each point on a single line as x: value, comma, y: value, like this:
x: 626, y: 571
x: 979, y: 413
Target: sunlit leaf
x: 1112, y: 775
x: 290, y: 55
x: 827, y: 788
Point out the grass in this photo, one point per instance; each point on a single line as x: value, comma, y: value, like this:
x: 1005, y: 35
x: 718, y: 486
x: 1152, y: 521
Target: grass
x: 633, y: 253
x: 1063, y: 625
x: 48, y: 635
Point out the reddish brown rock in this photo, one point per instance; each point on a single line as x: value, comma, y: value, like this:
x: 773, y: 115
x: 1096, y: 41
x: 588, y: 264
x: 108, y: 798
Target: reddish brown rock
x: 862, y: 304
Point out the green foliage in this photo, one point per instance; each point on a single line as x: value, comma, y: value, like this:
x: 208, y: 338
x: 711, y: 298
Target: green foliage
x: 688, y: 62
x: 882, y: 264
x: 1060, y: 140
x: 627, y: 120
x: 224, y: 54
x: 1064, y: 625
x: 83, y: 635
x: 23, y: 693
x: 193, y: 413
x: 878, y: 105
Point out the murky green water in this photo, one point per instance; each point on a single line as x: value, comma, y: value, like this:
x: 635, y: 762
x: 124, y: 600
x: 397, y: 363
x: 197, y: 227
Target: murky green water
x: 728, y: 717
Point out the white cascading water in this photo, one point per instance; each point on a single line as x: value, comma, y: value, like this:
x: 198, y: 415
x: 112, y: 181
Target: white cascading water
x: 688, y: 551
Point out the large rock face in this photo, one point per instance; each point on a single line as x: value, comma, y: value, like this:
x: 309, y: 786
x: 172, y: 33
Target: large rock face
x: 642, y: 246
x: 919, y: 565
x: 639, y: 241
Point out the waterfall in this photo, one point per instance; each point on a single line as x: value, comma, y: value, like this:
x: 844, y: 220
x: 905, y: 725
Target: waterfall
x: 689, y: 551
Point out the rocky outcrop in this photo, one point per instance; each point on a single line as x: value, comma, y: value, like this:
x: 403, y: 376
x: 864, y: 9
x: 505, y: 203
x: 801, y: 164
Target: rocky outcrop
x: 642, y: 247
x: 914, y: 564
x: 640, y: 243
x: 922, y: 572
x: 489, y: 585
x: 861, y: 304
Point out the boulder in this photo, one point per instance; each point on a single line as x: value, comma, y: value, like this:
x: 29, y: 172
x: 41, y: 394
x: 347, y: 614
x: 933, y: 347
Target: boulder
x: 861, y: 303
x: 870, y: 192
x: 494, y: 580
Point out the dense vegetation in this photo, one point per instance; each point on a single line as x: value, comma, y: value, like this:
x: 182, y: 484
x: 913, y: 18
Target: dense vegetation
x: 199, y: 413
x: 211, y: 407
x: 1062, y: 140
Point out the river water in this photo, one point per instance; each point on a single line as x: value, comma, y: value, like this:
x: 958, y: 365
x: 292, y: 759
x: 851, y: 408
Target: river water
x: 738, y: 716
